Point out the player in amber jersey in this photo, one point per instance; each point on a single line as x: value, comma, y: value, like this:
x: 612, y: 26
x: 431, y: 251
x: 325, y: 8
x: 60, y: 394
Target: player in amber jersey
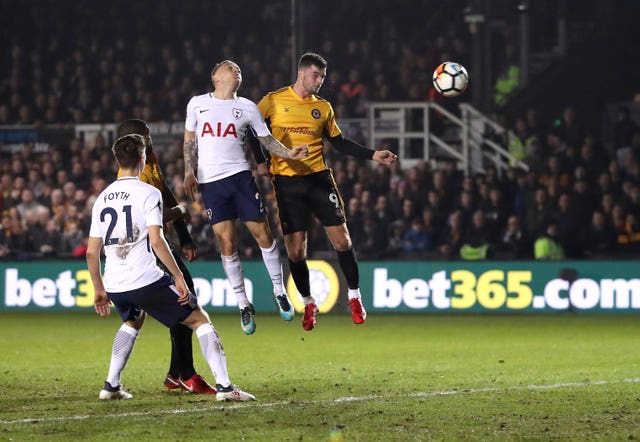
x: 182, y: 374
x: 297, y: 115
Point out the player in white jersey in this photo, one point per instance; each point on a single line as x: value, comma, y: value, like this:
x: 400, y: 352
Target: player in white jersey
x: 215, y: 129
x: 127, y: 221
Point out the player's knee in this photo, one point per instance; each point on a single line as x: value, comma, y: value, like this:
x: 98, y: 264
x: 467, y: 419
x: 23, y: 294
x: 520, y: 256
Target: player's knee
x: 296, y: 254
x: 343, y: 244
x: 138, y: 322
x: 227, y: 247
x: 197, y: 318
x: 265, y: 241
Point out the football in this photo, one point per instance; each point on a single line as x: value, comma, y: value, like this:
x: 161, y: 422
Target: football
x: 450, y: 79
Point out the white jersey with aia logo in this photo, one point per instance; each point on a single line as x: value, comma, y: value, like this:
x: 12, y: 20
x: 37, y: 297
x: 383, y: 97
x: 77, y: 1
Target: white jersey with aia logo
x: 220, y: 127
x: 120, y: 217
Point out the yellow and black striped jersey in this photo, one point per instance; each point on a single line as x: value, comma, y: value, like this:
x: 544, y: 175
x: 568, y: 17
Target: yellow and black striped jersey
x: 293, y: 121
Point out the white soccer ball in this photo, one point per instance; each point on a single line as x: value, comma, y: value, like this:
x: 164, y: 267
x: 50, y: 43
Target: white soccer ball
x: 450, y: 79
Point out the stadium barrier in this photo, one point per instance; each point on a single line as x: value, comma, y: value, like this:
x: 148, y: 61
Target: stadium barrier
x: 409, y: 286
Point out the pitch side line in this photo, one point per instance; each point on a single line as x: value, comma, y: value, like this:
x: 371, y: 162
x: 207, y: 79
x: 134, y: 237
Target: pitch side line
x: 343, y: 399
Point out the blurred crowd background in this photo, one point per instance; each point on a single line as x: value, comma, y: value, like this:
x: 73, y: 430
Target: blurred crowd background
x: 68, y: 63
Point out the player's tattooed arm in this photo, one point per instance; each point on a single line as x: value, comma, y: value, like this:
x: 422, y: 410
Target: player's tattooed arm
x: 277, y: 148
x: 190, y: 152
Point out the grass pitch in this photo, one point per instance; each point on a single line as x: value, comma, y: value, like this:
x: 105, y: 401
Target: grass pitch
x: 396, y: 378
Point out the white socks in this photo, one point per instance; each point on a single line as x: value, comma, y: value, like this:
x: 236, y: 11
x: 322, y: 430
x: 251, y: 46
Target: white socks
x: 233, y: 269
x: 213, y: 353
x: 272, y: 262
x: 354, y: 293
x: 120, y: 352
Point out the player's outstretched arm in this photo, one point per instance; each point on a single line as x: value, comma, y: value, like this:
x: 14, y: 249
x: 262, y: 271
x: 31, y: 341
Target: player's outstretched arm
x: 350, y: 147
x: 277, y: 148
x: 190, y: 152
x: 100, y: 298
x: 162, y: 251
x: 385, y: 157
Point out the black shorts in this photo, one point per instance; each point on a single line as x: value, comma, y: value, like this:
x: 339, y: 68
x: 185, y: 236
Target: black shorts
x: 158, y: 299
x: 299, y: 197
x: 233, y: 197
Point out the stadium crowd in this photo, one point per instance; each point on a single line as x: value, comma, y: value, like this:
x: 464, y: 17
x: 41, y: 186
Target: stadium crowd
x: 582, y: 192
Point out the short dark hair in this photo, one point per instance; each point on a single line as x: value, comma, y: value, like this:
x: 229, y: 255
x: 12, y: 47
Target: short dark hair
x: 133, y: 126
x: 312, y: 59
x: 128, y: 150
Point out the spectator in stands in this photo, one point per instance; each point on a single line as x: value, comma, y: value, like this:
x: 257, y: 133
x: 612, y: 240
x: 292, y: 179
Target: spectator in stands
x: 618, y: 222
x: 382, y: 211
x: 477, y: 242
x: 355, y: 220
x: 633, y: 201
x: 6, y: 186
x: 520, y: 141
x: 635, y: 147
x: 604, y: 185
x: 5, y: 115
x: 569, y: 128
x: 554, y: 169
x: 17, y: 240
x: 355, y: 92
x: 547, y: 246
x: 592, y: 158
x: 536, y: 160
x: 417, y: 239
x: 395, y: 239
x: 437, y: 208
x: 380, y: 180
x: 27, y: 202
x: 408, y: 213
x: 495, y: 211
x: 538, y: 211
x: 514, y: 242
x: 535, y: 126
x: 629, y: 239
x: 598, y: 239
x: 624, y: 128
x: 452, y: 235
x: 467, y: 207
x: 556, y: 145
x: 583, y: 202
x: 568, y: 227
x: 374, y: 237
x: 439, y: 184
x: 5, y: 251
x: 73, y: 241
x: 48, y: 240
x: 79, y: 176
x: 606, y: 204
x: 414, y: 187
